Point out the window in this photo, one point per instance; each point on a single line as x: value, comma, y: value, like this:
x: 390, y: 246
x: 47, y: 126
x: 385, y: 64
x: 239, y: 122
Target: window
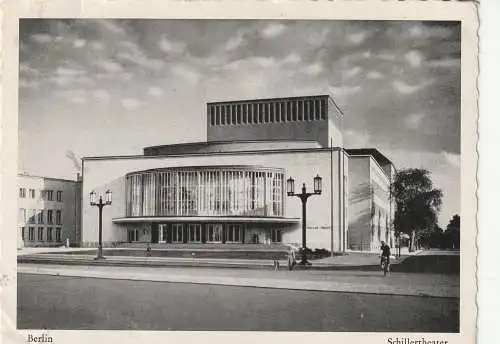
x: 40, y: 216
x: 58, y: 234
x: 245, y: 114
x: 323, y: 109
x: 233, y: 233
x: 266, y: 113
x: 289, y: 111
x: 261, y: 113
x: 22, y: 233
x: 272, y: 113
x: 32, y: 193
x: 212, y: 116
x: 58, y: 217
x: 317, y: 109
x: 239, y: 111
x: 217, y: 115
x: 223, y: 115
x: 49, y: 217
x: 255, y: 113
x: 59, y: 196
x: 300, y: 105
x: 40, y: 233
x: 49, y: 233
x: 276, y: 235
x: 294, y: 110
x: 283, y: 112
x: 22, y: 192
x: 31, y: 233
x: 48, y: 195
x: 234, y: 110
x: 32, y: 218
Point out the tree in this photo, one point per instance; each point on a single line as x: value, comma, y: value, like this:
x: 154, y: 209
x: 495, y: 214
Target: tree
x: 452, y: 233
x: 417, y: 202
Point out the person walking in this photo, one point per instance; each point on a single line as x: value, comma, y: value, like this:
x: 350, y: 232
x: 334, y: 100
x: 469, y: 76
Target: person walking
x: 291, y: 259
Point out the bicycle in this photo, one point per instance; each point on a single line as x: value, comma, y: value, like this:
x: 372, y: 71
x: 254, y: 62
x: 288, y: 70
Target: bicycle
x: 385, y: 265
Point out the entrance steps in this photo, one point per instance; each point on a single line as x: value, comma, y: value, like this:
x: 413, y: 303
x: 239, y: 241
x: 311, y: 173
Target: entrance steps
x: 207, y: 247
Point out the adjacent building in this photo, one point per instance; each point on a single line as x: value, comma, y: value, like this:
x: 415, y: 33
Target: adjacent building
x: 48, y: 211
x: 371, y: 208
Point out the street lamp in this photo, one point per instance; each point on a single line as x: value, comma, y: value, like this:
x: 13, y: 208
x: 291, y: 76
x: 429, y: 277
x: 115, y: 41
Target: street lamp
x: 100, y: 204
x: 290, y: 190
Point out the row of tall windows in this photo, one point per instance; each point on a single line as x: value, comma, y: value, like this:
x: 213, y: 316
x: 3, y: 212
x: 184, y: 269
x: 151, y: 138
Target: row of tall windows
x: 208, y: 192
x: 41, y: 235
x: 47, y: 195
x: 271, y: 112
x: 40, y: 216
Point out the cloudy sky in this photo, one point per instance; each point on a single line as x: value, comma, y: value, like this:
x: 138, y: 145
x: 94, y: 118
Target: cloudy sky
x: 108, y: 87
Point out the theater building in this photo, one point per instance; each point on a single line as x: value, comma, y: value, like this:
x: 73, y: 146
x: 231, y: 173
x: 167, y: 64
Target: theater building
x: 230, y: 188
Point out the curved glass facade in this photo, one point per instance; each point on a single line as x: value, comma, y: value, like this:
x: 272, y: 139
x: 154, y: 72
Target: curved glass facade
x: 206, y: 191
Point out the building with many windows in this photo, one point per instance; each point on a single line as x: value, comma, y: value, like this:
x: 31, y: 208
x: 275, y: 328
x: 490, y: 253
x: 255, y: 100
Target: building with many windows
x: 48, y: 211
x: 230, y: 188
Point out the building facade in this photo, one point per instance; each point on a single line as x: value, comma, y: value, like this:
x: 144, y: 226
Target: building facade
x: 371, y: 208
x: 48, y: 211
x: 232, y: 187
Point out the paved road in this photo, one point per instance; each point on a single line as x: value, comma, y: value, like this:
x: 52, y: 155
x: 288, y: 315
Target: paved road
x: 86, y: 303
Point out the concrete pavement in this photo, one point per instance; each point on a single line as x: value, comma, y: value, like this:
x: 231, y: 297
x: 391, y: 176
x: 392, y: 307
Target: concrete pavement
x: 432, y: 285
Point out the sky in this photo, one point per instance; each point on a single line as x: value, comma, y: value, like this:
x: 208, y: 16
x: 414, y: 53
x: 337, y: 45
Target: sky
x: 113, y: 87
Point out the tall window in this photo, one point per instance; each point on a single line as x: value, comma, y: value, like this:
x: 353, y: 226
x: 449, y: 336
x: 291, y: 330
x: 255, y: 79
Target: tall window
x: 288, y: 111
x: 40, y: 216
x: 58, y: 217
x: 32, y: 218
x: 59, y: 196
x: 31, y: 233
x: 245, y: 114
x: 239, y: 111
x: 50, y: 217
x: 58, y: 234
x: 212, y: 116
x: 300, y: 105
x: 276, y: 235
x: 40, y: 233
x: 255, y: 112
x: 48, y: 195
x: 22, y: 192
x: 32, y: 193
x: 324, y: 109
x: 49, y: 233
x: 217, y: 115
x: 22, y: 233
x: 223, y: 115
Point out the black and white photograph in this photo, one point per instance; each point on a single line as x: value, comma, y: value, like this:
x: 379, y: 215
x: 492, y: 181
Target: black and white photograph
x: 268, y: 175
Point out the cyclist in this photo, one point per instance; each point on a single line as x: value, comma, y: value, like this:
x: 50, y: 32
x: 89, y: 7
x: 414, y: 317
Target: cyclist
x: 386, y: 252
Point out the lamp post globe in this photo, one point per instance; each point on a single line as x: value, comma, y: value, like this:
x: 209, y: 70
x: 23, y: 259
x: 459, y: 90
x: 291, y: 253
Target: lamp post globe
x: 100, y: 204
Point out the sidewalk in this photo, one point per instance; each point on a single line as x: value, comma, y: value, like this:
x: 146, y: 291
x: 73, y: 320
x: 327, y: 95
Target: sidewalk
x: 339, y: 281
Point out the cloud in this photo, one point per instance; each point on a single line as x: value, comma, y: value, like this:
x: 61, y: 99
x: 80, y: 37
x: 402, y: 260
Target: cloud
x: 292, y: 58
x: 187, y: 73
x: 97, y: 46
x: 130, y: 103
x: 41, y: 38
x: 29, y: 84
x: 155, y: 91
x: 273, y: 30
x: 255, y: 62
x: 69, y: 72
x: 374, y: 75
x: 404, y: 88
x: 387, y: 57
x: 414, y: 120
x: 343, y: 92
x: 79, y: 43
x: 451, y: 159
x: 357, y: 38
x: 414, y: 58
x: 169, y: 47
x: 112, y: 26
x: 314, y: 69
x: 349, y: 73
x: 78, y: 96
x: 357, y: 139
x: 235, y: 41
x: 109, y: 66
x: 427, y: 31
x: 445, y: 63
x: 102, y: 95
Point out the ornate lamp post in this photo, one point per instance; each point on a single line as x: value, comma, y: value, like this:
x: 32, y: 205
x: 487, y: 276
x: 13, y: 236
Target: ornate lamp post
x: 100, y: 204
x: 304, y: 195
